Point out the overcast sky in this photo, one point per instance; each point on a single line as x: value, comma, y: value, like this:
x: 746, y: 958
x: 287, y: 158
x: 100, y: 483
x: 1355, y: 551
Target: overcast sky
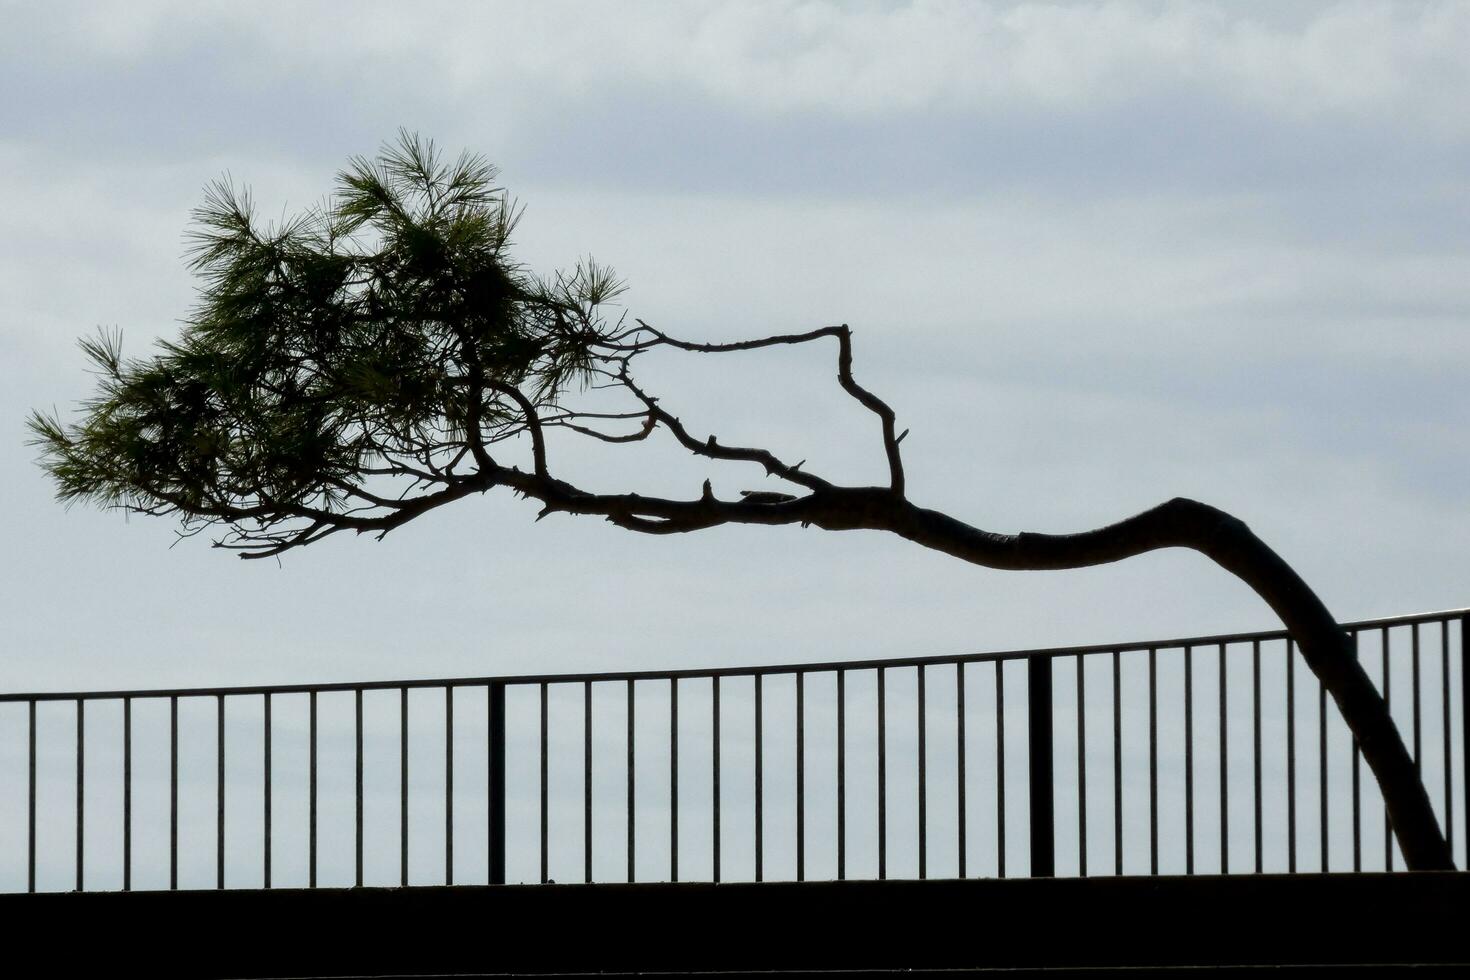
x: 1094, y: 255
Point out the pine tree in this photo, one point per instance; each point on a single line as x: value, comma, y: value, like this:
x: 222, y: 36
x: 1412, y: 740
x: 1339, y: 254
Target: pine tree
x: 382, y: 355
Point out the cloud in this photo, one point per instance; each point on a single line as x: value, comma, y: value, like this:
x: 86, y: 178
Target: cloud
x: 652, y: 88
x: 873, y: 59
x: 1096, y: 254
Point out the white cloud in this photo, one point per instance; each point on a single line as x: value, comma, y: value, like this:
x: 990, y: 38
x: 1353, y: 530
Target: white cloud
x: 1223, y: 244
x: 1353, y: 60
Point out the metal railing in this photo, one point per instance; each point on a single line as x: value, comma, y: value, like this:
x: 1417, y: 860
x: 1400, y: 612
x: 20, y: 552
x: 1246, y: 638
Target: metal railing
x: 1168, y: 756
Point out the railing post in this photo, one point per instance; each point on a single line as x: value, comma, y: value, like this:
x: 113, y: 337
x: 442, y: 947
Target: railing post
x: 1039, y: 745
x: 497, y: 783
x: 1464, y: 725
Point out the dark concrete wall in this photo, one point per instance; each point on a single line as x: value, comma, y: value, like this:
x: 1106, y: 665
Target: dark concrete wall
x: 1098, y: 922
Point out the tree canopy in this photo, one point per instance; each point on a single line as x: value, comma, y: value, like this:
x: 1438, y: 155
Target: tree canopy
x: 382, y: 354
x: 338, y: 362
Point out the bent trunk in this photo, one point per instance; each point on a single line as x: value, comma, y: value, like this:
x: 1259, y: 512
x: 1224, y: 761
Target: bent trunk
x: 1325, y: 647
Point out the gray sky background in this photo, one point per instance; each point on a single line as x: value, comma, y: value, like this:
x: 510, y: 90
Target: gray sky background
x: 1095, y: 255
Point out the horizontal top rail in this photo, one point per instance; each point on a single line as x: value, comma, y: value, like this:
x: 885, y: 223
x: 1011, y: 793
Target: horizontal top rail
x: 711, y: 672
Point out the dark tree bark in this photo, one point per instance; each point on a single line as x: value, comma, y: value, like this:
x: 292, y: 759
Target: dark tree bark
x: 1179, y: 523
x: 1325, y: 647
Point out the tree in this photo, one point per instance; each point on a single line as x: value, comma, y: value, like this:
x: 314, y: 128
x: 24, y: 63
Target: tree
x: 382, y: 355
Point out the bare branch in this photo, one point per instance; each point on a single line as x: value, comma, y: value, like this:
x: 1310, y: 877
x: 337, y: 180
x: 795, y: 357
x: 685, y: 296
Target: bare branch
x: 743, y: 345
x: 844, y: 377
x: 874, y: 404
x: 642, y: 434
x: 711, y: 449
x: 533, y: 423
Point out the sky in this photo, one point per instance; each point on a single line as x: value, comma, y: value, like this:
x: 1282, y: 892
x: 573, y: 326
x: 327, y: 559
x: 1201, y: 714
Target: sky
x: 1096, y: 255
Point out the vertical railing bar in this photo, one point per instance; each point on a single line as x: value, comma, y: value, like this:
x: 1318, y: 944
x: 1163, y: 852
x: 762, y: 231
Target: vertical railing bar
x: 403, y: 787
x: 219, y: 791
x: 1418, y: 736
x: 1387, y: 703
x: 1444, y: 685
x: 1322, y: 772
x: 1000, y: 770
x: 448, y: 784
x: 1416, y: 700
x: 81, y: 802
x: 1290, y: 756
x: 1189, y: 759
x: 1081, y: 769
x: 923, y: 782
x: 760, y: 799
x: 31, y: 802
x: 545, y: 876
x: 495, y: 780
x: 715, y: 780
x: 1224, y: 771
x: 357, y: 739
x: 1256, y: 746
x: 841, y: 773
x: 1153, y: 762
x: 673, y: 779
x: 959, y: 701
x: 490, y: 793
x: 882, y: 777
x: 127, y: 794
x: 1040, y: 761
x: 1117, y: 764
x: 1357, y: 814
x: 1465, y: 727
x: 266, y: 805
x: 587, y: 781
x: 800, y: 776
x: 311, y: 790
x: 630, y: 781
x: 173, y: 792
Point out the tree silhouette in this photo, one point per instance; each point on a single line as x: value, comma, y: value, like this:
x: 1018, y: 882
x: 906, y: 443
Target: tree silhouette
x: 382, y: 355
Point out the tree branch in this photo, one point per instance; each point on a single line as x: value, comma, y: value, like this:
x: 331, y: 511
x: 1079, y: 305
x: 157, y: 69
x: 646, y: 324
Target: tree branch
x: 864, y: 397
x: 533, y: 423
x: 1226, y: 540
x: 711, y: 449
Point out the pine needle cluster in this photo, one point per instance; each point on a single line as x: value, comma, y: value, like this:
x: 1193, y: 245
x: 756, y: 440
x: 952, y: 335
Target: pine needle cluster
x: 362, y: 337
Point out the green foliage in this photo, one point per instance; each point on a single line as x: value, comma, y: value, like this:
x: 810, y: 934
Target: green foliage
x: 378, y: 333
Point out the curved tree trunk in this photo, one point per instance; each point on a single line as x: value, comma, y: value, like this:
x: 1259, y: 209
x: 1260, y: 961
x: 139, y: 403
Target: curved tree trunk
x: 1326, y: 648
